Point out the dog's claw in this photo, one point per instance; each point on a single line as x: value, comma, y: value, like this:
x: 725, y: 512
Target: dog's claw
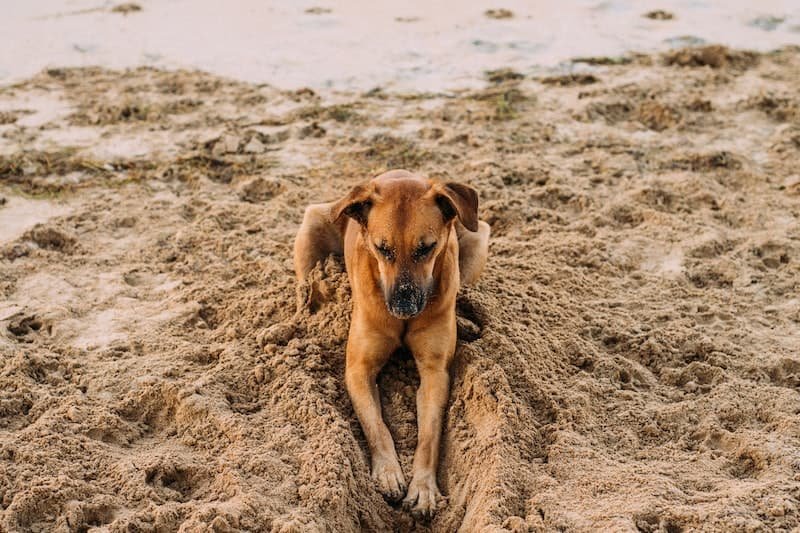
x: 389, y: 477
x: 423, y: 497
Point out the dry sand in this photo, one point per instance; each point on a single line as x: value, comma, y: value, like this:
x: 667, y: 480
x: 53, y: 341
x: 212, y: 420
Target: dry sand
x: 629, y: 360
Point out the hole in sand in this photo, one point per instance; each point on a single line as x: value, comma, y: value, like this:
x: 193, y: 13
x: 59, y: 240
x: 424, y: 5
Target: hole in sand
x: 243, y: 404
x: 22, y: 326
x: 469, y: 325
x: 180, y: 482
x: 746, y: 465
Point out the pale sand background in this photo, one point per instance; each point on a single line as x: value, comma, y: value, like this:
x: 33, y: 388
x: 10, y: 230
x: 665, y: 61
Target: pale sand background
x: 360, y: 45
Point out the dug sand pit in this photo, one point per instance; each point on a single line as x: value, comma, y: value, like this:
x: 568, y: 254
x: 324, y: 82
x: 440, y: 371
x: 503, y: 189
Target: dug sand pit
x: 628, y: 361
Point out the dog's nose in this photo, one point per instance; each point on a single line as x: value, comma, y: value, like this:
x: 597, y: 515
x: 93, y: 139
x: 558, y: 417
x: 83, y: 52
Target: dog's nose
x: 407, y: 300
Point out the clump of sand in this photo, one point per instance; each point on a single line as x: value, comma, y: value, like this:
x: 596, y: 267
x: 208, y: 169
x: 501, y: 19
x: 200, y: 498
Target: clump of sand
x: 628, y: 361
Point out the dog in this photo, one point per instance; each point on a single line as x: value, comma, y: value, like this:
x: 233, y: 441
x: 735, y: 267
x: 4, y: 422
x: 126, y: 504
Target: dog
x: 409, y: 243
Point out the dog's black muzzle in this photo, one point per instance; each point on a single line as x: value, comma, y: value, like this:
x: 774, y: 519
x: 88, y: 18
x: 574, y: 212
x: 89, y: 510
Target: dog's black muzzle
x: 406, y: 299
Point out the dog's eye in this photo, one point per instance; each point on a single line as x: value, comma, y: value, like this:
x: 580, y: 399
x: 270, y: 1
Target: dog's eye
x: 385, y: 251
x: 423, y: 250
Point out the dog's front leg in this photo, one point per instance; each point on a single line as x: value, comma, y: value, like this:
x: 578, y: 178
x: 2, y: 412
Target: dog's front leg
x: 366, y: 354
x: 432, y: 351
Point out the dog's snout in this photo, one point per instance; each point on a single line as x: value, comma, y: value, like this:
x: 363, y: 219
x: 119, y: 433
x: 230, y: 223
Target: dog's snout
x: 407, y: 299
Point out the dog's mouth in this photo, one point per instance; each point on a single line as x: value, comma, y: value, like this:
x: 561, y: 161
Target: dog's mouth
x: 405, y: 311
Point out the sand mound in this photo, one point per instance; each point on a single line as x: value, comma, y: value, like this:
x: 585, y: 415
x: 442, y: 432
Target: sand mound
x: 629, y: 360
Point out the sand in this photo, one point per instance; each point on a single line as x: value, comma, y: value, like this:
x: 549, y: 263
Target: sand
x: 414, y: 45
x: 629, y: 361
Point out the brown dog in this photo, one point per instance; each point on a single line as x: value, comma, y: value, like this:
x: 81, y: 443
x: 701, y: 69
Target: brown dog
x: 408, y: 243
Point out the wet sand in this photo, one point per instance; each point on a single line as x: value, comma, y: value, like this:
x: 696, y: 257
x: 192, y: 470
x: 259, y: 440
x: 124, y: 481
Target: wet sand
x: 629, y: 360
x: 356, y: 46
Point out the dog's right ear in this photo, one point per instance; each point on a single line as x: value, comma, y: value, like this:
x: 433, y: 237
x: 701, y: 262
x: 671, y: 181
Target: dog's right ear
x: 355, y: 205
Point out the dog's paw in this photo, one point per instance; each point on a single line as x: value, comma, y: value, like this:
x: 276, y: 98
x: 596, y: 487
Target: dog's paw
x: 423, y: 498
x: 389, y: 477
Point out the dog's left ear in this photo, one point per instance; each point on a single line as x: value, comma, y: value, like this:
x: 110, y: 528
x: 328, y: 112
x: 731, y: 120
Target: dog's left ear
x: 459, y: 200
x: 355, y: 205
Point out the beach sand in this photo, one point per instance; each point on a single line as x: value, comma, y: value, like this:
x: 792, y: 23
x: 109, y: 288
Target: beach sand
x: 629, y: 360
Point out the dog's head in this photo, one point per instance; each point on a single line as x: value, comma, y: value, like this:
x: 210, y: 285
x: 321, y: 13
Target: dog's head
x: 405, y: 223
